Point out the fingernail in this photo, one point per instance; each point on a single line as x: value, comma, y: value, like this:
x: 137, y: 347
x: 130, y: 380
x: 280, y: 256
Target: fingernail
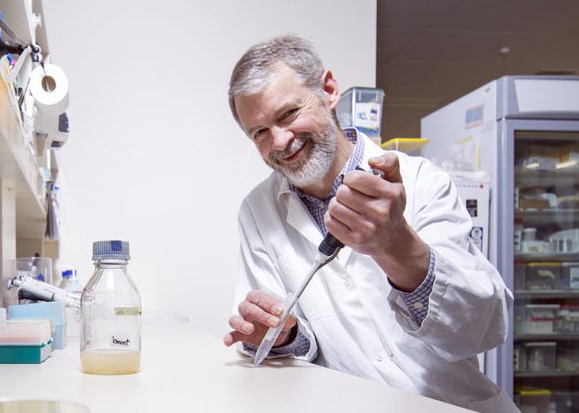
x: 378, y: 160
x: 273, y: 321
x: 276, y: 310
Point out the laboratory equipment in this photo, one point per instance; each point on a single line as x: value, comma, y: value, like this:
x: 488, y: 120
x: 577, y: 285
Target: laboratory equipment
x: 6, y: 46
x: 533, y: 400
x: 17, y: 46
x: 25, y: 341
x: 474, y: 190
x: 40, y: 290
x: 524, y: 132
x: 53, y: 311
x: 110, y: 336
x: 361, y: 108
x: 327, y: 251
x: 39, y: 268
x: 569, y: 276
x: 538, y: 356
x: 70, y: 282
x: 71, y: 285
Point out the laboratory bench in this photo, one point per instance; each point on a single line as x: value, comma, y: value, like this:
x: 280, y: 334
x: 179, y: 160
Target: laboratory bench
x: 183, y: 369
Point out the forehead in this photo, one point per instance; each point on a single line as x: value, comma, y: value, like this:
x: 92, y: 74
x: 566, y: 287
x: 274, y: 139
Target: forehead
x: 283, y: 88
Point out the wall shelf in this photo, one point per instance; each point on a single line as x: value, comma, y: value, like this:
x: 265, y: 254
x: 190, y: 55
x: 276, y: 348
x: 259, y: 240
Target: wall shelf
x: 545, y: 294
x: 19, y: 166
x: 530, y: 374
x: 548, y: 337
x: 22, y: 176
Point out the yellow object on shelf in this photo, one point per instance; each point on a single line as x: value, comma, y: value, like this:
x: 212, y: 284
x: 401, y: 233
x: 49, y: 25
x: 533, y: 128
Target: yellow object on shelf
x: 404, y: 144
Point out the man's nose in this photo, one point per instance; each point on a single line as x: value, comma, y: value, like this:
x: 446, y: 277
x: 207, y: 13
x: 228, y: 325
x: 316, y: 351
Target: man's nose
x: 281, y: 137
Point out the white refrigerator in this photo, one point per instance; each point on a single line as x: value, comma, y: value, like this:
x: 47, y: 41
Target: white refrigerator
x: 523, y: 131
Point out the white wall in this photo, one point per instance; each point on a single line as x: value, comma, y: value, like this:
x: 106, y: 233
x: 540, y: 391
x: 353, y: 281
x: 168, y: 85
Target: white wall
x: 154, y: 156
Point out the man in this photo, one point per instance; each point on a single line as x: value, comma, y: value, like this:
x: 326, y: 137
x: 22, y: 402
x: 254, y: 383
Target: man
x: 409, y: 301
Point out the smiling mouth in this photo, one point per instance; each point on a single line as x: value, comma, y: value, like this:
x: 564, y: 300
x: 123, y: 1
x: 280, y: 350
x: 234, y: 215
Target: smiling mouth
x: 294, y: 155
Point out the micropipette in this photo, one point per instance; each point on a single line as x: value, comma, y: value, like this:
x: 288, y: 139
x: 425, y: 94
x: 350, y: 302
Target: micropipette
x: 327, y: 251
x: 43, y: 291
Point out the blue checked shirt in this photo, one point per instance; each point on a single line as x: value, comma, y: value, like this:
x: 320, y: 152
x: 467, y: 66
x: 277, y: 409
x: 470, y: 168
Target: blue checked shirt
x: 416, y: 301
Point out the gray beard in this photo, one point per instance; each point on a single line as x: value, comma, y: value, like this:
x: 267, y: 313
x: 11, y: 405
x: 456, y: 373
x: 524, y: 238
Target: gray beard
x: 319, y: 160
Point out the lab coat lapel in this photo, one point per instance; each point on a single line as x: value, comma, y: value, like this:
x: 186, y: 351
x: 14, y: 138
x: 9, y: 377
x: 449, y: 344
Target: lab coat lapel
x: 299, y: 218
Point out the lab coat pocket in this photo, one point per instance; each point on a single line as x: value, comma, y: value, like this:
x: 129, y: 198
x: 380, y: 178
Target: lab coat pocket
x: 499, y: 403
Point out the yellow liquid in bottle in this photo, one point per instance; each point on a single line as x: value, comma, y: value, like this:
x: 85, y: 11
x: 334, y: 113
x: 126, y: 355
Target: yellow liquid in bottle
x: 110, y: 361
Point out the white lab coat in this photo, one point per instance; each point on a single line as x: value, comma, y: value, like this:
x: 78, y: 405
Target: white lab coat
x: 355, y: 321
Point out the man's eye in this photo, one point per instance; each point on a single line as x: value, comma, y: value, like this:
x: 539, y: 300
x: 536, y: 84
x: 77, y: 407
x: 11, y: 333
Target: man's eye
x: 290, y: 112
x: 258, y: 135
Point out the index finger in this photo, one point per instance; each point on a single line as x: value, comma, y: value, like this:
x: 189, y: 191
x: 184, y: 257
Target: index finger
x: 265, y: 301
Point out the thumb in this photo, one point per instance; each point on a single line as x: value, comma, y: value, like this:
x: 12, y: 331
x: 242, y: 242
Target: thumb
x: 389, y: 165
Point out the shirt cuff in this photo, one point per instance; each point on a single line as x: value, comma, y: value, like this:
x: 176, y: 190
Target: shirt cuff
x: 298, y: 347
x: 417, y: 300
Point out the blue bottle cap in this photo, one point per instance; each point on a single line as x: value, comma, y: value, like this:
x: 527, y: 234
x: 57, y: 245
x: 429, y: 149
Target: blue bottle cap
x: 67, y: 273
x: 110, y: 250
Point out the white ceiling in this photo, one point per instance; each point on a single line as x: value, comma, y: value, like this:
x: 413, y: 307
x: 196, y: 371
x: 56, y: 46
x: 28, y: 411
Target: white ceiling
x: 431, y: 52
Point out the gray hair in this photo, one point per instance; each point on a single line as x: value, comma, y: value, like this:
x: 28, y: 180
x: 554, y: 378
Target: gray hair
x: 255, y: 68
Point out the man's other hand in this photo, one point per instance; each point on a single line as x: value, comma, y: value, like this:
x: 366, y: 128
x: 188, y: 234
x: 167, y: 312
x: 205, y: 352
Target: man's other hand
x: 257, y: 313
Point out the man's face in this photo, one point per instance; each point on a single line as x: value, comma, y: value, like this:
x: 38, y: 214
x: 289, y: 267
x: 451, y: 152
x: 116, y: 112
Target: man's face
x: 291, y: 126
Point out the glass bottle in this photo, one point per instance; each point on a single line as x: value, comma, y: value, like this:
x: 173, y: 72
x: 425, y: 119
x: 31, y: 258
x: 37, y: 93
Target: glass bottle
x: 110, y: 308
x: 72, y: 286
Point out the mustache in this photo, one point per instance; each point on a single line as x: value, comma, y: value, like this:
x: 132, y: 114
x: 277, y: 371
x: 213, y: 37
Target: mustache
x: 295, y: 144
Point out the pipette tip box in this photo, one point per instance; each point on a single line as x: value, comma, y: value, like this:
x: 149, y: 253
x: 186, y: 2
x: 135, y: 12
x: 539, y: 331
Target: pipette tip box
x: 25, y: 341
x: 53, y: 310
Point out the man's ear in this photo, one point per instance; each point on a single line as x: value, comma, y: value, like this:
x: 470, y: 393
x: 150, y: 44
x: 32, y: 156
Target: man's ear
x: 330, y: 86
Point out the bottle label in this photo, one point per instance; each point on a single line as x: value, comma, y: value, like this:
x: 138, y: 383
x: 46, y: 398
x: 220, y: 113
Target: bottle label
x: 121, y: 340
x: 128, y: 311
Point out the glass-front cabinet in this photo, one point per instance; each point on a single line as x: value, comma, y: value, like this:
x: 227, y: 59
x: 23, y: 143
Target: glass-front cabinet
x: 524, y: 132
x: 546, y: 271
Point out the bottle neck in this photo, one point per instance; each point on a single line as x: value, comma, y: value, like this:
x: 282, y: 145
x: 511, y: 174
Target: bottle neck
x: 110, y: 263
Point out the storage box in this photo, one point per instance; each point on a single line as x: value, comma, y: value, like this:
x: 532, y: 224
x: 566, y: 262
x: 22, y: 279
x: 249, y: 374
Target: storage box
x: 361, y: 108
x: 568, y: 321
x: 569, y: 276
x: 533, y: 247
x: 25, y: 341
x: 567, y: 358
x: 537, y: 356
x: 542, y: 157
x: 53, y: 311
x: 541, y: 276
x: 533, y: 203
x: 533, y: 400
x: 565, y: 401
x: 520, y: 275
x: 539, y: 318
x: 517, y: 350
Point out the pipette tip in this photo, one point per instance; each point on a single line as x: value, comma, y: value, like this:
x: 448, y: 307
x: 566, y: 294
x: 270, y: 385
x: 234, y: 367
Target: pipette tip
x: 257, y: 359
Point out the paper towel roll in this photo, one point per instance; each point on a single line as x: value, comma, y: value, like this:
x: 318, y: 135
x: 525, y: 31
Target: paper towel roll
x: 49, y: 87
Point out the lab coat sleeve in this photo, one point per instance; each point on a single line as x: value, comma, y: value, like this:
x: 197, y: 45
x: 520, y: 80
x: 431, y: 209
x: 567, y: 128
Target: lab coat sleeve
x: 469, y: 302
x: 258, y: 271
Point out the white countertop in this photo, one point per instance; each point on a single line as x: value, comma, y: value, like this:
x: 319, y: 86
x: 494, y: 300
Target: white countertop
x: 185, y: 370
